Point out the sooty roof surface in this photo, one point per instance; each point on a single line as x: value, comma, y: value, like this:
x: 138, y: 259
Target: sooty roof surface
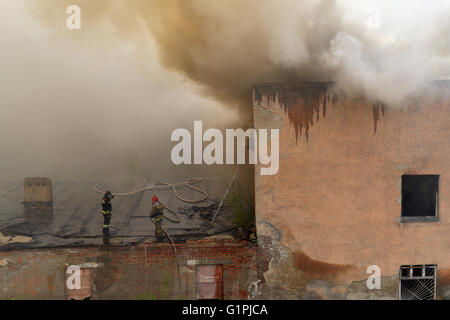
x: 77, y: 221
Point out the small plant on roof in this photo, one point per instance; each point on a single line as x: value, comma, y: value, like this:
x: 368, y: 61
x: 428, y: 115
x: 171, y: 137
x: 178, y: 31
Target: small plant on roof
x: 242, y: 205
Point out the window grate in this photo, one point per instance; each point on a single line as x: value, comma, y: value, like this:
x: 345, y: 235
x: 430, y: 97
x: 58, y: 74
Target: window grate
x: 418, y: 282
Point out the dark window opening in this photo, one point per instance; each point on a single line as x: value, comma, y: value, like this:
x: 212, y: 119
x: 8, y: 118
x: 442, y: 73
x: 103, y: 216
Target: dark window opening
x: 430, y: 271
x: 420, y: 195
x: 418, y: 282
x: 417, y: 272
x: 404, y: 272
x: 209, y: 281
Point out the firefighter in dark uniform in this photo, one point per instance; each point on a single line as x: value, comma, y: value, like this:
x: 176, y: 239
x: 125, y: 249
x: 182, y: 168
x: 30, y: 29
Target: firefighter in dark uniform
x: 157, y: 216
x: 107, y: 213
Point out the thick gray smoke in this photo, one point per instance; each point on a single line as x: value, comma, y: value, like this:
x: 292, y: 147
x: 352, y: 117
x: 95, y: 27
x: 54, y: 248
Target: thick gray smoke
x: 109, y: 84
x: 74, y: 107
x: 379, y: 48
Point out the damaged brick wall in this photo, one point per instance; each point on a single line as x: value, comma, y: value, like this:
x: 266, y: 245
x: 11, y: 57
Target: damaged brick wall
x: 333, y: 208
x: 146, y: 271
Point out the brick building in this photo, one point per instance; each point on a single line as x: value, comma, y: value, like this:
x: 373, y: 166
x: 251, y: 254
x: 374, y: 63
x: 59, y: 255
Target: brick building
x: 143, y: 271
x: 362, y: 188
x: 40, y: 250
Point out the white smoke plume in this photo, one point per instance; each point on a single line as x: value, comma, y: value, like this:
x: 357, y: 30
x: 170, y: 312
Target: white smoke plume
x: 179, y: 60
x: 379, y: 48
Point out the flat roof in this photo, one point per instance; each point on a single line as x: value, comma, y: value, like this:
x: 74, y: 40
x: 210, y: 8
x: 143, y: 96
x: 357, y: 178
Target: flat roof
x: 77, y: 221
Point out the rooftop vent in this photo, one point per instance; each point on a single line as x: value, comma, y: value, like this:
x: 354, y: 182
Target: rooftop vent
x: 38, y: 194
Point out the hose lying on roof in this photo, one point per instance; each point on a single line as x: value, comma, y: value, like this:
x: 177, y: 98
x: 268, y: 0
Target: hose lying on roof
x: 188, y: 184
x: 162, y: 185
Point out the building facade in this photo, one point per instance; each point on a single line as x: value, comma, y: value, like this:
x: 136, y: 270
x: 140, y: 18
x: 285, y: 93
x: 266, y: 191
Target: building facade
x: 208, y: 269
x: 362, y: 190
x: 65, y: 253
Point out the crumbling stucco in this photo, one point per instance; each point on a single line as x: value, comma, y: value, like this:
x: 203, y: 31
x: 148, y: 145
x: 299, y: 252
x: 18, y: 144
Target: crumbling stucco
x: 13, y: 239
x: 282, y: 274
x: 334, y: 202
x: 144, y: 271
x: 290, y: 276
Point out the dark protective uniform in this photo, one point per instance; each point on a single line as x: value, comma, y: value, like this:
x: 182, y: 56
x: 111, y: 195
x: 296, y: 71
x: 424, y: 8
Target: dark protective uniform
x: 157, y: 216
x: 106, y: 210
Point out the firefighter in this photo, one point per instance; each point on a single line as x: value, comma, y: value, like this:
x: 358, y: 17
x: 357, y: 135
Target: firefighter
x: 157, y: 216
x: 107, y: 210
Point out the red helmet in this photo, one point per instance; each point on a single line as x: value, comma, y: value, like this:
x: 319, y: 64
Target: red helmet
x: 155, y: 199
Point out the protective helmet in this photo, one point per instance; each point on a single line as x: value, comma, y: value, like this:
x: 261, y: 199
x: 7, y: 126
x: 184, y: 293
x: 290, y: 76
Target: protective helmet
x: 155, y: 199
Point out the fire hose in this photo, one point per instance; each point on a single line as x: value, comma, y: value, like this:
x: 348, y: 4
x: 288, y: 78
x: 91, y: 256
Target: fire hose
x: 162, y: 185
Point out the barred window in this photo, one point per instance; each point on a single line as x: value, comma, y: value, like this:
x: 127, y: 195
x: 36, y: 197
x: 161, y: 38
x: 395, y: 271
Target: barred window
x: 418, y: 282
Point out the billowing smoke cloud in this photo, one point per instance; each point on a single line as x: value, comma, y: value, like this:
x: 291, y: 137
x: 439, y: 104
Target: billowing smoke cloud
x: 84, y: 106
x: 382, y: 49
x: 109, y: 73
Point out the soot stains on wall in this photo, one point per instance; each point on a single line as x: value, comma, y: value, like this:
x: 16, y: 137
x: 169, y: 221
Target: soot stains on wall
x: 304, y: 103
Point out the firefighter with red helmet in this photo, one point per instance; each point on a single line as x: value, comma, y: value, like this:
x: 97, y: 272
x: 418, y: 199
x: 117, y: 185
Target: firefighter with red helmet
x: 157, y: 216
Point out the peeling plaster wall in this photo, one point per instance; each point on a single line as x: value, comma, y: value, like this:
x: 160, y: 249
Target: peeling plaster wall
x: 333, y: 208
x: 146, y: 271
